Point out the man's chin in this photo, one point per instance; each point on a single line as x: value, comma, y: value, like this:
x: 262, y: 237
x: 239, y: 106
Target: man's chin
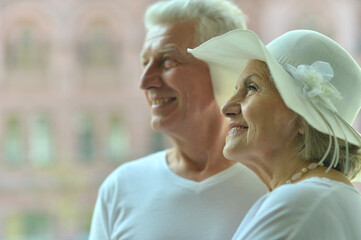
x: 155, y: 127
x: 162, y: 123
x: 158, y: 124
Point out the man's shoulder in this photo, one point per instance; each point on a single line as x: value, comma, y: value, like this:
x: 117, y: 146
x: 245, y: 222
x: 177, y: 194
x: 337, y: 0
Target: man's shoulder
x: 135, y: 168
x: 150, y: 160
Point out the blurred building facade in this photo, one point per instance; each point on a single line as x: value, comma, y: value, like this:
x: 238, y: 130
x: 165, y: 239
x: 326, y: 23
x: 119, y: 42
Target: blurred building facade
x: 70, y: 107
x: 71, y: 110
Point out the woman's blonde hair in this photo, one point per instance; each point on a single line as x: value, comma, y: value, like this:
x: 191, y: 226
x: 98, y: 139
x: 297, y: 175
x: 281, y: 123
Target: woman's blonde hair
x: 314, y: 145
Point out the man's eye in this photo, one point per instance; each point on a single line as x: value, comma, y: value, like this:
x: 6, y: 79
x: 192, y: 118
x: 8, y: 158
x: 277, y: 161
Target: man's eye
x: 167, y: 58
x: 145, y: 63
x: 169, y: 62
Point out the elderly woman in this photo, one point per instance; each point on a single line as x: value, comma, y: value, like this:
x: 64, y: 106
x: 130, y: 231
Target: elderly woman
x: 290, y: 122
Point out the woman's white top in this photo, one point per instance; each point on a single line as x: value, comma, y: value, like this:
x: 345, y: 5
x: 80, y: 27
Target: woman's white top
x: 316, y: 208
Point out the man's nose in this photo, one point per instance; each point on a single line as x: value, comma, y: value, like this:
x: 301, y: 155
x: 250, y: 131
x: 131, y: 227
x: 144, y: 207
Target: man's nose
x: 151, y: 77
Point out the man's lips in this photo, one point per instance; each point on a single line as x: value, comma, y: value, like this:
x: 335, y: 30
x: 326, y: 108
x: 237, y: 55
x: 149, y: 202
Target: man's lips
x: 160, y: 101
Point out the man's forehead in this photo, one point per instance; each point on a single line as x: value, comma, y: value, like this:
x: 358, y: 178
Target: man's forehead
x: 171, y: 37
x: 156, y: 31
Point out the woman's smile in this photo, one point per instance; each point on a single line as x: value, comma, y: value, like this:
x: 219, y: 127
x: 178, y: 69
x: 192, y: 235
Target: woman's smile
x: 236, y: 128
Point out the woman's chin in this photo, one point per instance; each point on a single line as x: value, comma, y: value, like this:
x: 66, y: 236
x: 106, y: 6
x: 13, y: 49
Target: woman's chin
x: 233, y: 151
x: 229, y: 154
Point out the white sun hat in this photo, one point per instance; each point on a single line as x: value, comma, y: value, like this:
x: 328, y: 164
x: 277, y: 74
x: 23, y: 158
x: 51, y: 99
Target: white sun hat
x: 314, y: 75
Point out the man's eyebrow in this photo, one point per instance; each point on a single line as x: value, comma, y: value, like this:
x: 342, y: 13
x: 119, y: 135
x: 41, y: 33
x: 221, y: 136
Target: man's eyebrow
x: 168, y: 49
x: 163, y: 50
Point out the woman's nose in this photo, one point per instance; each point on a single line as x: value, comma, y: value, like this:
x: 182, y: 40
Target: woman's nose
x: 231, y: 108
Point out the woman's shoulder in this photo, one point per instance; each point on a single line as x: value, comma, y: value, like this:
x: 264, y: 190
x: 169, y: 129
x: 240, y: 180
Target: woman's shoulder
x: 315, y: 208
x: 312, y: 192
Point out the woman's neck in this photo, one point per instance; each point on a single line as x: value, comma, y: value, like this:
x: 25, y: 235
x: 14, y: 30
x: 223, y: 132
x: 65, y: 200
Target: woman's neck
x: 274, y: 168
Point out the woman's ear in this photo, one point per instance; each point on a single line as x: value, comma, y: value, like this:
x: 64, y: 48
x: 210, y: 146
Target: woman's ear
x: 298, y: 122
x: 301, y: 131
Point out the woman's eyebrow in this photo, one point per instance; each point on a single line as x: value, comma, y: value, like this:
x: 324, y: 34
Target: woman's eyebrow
x: 247, y: 79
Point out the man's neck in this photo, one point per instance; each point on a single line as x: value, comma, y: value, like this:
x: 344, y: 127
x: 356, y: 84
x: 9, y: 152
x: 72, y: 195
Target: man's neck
x: 199, y: 156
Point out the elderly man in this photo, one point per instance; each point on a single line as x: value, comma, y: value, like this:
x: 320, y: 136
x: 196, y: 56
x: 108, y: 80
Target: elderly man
x: 188, y: 192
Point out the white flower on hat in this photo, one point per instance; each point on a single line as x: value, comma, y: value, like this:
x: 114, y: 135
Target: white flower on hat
x: 315, y: 79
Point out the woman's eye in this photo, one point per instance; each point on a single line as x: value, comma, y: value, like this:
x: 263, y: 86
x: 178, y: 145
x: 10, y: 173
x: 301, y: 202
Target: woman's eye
x: 251, y: 88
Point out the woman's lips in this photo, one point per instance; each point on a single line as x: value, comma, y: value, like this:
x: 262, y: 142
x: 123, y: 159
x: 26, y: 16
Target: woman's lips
x: 236, y: 128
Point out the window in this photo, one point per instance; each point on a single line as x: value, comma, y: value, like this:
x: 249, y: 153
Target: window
x: 41, y: 145
x: 24, y: 49
x: 13, y: 142
x: 86, y: 138
x: 28, y: 225
x: 118, y: 139
x: 96, y: 49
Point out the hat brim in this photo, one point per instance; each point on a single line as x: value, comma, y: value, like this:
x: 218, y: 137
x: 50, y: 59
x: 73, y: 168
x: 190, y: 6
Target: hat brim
x: 227, y: 56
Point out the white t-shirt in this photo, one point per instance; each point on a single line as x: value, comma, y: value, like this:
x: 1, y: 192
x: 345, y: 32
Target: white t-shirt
x: 314, y: 209
x: 145, y: 200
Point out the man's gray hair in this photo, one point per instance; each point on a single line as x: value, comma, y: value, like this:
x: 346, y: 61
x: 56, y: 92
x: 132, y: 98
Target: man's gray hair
x: 211, y: 17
